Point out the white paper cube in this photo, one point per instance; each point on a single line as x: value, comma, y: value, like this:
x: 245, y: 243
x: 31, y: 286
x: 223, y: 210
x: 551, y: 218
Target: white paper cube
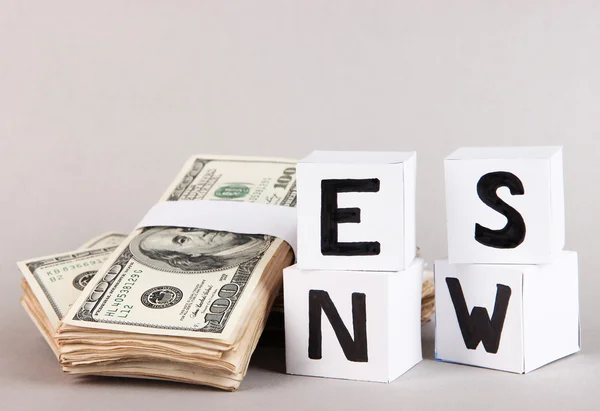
x: 538, y: 325
x: 378, y: 322
x: 356, y: 210
x: 515, y: 196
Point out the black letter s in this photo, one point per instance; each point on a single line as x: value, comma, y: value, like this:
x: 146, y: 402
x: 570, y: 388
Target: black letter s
x: 513, y: 232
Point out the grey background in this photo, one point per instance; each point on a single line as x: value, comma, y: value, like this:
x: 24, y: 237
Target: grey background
x: 102, y: 102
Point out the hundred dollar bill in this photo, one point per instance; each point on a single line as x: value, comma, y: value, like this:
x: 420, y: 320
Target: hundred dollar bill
x: 52, y: 284
x: 56, y: 281
x: 187, y: 281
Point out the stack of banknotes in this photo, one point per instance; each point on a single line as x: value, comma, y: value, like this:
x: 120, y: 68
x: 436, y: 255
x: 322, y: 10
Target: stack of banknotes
x: 172, y: 303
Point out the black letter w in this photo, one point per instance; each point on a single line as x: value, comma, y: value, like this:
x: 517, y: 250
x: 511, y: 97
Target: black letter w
x: 354, y: 349
x: 477, y: 327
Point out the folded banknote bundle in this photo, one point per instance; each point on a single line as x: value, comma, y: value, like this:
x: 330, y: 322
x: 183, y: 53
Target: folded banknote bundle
x: 183, y: 304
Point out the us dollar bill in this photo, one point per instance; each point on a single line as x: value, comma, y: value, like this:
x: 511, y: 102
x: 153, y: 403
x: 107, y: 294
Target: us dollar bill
x: 189, y: 281
x: 57, y: 280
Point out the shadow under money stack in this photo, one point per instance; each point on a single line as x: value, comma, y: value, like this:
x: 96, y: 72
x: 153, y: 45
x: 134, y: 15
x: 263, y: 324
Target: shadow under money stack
x: 185, y: 304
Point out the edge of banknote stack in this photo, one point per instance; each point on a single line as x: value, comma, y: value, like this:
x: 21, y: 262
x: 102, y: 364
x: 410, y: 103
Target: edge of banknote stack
x: 39, y: 305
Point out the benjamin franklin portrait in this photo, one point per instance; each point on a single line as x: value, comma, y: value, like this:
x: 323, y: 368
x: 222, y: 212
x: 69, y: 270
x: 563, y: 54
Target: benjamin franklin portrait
x: 188, y: 250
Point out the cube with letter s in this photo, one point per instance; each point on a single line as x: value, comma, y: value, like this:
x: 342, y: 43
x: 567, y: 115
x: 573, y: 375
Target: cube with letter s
x: 356, y: 210
x: 505, y: 205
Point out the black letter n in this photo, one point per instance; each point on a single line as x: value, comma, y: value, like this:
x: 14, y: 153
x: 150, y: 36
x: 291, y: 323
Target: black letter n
x: 478, y: 327
x: 354, y: 349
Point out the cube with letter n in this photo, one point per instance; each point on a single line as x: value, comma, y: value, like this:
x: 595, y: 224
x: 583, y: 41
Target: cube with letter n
x: 359, y: 205
x: 353, y: 324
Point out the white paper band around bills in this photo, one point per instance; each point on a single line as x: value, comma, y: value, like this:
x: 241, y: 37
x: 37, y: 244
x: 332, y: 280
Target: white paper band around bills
x: 234, y: 216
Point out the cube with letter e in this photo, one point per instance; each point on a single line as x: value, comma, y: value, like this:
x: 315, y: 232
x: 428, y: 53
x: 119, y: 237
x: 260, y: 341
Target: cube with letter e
x: 359, y: 205
x: 505, y: 205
